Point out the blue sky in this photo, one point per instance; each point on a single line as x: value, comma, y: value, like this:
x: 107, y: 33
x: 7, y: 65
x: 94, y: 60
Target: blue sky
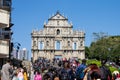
x: 87, y: 15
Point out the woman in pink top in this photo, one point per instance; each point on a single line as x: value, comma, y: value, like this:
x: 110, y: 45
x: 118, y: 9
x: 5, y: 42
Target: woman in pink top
x: 37, y: 76
x: 20, y: 74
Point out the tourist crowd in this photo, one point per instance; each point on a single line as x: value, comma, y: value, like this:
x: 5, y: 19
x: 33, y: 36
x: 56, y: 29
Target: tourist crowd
x: 58, y: 69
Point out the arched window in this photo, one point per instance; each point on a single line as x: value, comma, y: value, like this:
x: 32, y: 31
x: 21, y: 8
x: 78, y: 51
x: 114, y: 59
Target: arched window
x: 41, y: 45
x: 74, y: 46
x: 58, y: 31
x: 57, y: 45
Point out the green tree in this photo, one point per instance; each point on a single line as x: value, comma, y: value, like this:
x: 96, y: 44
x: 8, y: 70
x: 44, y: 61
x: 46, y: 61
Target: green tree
x: 98, y: 48
x: 105, y: 47
x: 116, y: 54
x: 87, y: 52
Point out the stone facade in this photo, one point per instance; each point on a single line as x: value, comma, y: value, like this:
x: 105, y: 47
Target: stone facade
x: 58, y: 40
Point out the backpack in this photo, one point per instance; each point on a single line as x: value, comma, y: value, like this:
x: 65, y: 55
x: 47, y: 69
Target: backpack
x: 105, y: 72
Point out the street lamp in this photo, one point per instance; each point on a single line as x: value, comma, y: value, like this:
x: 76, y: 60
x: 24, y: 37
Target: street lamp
x: 15, y: 45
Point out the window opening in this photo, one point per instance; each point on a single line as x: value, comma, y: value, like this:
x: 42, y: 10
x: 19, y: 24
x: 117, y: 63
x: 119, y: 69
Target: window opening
x: 58, y: 31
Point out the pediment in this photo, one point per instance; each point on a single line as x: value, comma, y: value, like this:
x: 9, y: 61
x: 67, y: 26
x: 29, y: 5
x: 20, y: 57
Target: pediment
x: 58, y: 16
